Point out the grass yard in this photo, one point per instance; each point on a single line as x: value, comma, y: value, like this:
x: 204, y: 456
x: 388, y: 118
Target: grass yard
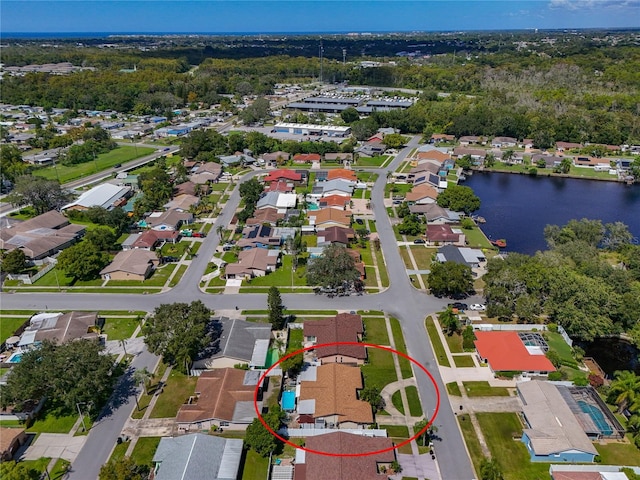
x: 438, y: 348
x: 175, y: 249
x: 59, y: 469
x: 282, y: 277
x: 145, y: 398
x: 404, y: 253
x: 376, y: 331
x: 398, y: 431
x: 51, y: 422
x: 254, y: 466
x: 471, y: 439
x: 176, y: 278
x: 380, y: 371
x: 476, y: 238
x: 144, y: 450
x: 40, y: 464
x: 483, y: 389
x: 454, y: 342
x: 396, y: 400
x: 8, y: 325
x: 557, y: 343
x: 500, y: 430
x: 415, y: 407
x: 117, y: 328
x: 423, y: 256
x: 175, y: 393
x: 463, y: 361
x: 102, y: 162
x: 382, y: 268
x: 405, y: 364
x: 619, y: 453
x: 453, y: 389
x: 376, y: 161
x: 56, y: 277
x: 119, y: 451
x: 158, y: 279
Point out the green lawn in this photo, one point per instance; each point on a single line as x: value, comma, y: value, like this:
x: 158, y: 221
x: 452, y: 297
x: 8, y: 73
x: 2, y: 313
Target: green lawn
x: 119, y: 328
x: 176, y: 392
x: 254, y: 467
x: 453, y: 389
x: 415, y: 407
x: 8, y: 325
x: 158, y: 279
x: 405, y: 365
x: 145, y: 398
x: 51, y: 422
x: 56, y: 277
x: 380, y: 370
x: 176, y: 278
x: 477, y: 239
x: 144, y: 450
x: 438, y: 348
x: 398, y: 431
x: 103, y: 161
x: 454, y: 342
x: 423, y: 256
x: 176, y: 249
x: 471, y: 439
x: 376, y: 161
x: 396, y: 399
x: 40, y: 464
x: 462, y: 361
x: 59, y: 469
x: 500, y: 431
x: 483, y: 389
x: 619, y: 453
x: 376, y: 331
x: 119, y: 451
x: 557, y: 343
x: 284, y: 276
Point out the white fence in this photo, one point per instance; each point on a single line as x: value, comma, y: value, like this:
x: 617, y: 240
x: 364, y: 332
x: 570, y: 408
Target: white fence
x: 500, y: 327
x: 29, y: 280
x: 310, y: 432
x: 565, y: 337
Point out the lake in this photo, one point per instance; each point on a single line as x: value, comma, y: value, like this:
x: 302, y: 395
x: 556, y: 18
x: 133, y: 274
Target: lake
x: 518, y: 207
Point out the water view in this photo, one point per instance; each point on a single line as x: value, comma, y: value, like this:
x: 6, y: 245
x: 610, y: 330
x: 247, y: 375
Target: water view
x: 518, y: 207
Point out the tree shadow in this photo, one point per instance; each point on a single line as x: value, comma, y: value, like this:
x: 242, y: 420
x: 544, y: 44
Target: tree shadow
x: 124, y: 389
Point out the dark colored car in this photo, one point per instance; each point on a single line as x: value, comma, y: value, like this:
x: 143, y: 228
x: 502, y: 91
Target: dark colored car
x: 359, y: 221
x: 117, y: 165
x: 418, y: 241
x: 459, y: 306
x: 170, y: 259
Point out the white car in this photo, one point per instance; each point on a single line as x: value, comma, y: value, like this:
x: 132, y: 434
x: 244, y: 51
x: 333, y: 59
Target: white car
x: 477, y: 306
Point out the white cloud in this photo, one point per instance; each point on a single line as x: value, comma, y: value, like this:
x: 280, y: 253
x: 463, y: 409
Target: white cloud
x: 593, y: 4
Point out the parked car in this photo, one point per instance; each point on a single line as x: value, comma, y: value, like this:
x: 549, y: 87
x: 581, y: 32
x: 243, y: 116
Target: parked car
x: 170, y: 259
x: 459, y: 306
x: 477, y: 306
x: 198, y: 234
x: 166, y: 149
x: 117, y: 165
x: 419, y: 241
x: 359, y: 221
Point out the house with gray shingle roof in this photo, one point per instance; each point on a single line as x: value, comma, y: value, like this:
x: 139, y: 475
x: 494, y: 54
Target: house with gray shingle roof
x: 197, y: 457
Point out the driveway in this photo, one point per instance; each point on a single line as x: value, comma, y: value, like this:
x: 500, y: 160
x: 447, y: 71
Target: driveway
x: 55, y: 445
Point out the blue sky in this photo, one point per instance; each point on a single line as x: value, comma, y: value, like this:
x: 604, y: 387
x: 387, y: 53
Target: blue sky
x: 233, y: 16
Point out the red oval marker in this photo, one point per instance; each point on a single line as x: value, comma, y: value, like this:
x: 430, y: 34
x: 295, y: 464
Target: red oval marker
x: 318, y: 452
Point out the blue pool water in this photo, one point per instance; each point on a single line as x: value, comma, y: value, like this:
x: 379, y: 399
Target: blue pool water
x: 289, y: 400
x: 15, y: 358
x: 597, y: 417
x: 312, y: 206
x: 272, y: 357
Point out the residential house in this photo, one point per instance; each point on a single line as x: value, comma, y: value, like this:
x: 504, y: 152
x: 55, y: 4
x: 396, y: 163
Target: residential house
x: 441, y: 137
x: 276, y: 157
x: 504, y: 142
x: 182, y: 202
x: 11, y: 439
x: 255, y: 262
x: 352, y: 459
x: 260, y: 236
x: 432, y: 155
x: 358, y: 263
x: 265, y: 216
x: 59, y: 328
x: 280, y: 186
x: 371, y: 149
x: 41, y: 236
x: 477, y: 154
x: 330, y: 399
x: 432, y: 179
x: 224, y: 398
x: 340, y: 235
x: 444, y: 235
x: 302, y: 158
x: 553, y: 433
x: 472, y: 257
x: 236, y: 159
x: 237, y: 342
x: 197, y: 456
x: 206, y: 173
x: 283, y: 174
x: 343, y: 173
x: 550, y: 161
x: 105, y: 195
x: 589, y: 472
x: 472, y: 139
x: 185, y: 188
x: 505, y: 351
x: 422, y: 194
x: 338, y: 157
x: 434, y: 213
x: 150, y: 239
x: 134, y: 264
x: 329, y: 217
x: 337, y: 186
x: 169, y: 220
x: 280, y: 201
x: 344, y: 327
x: 527, y: 143
x: 564, y: 146
x: 340, y: 202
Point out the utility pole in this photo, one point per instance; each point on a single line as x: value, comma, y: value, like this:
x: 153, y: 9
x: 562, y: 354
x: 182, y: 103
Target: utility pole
x: 321, y: 61
x: 344, y: 56
x: 84, y: 427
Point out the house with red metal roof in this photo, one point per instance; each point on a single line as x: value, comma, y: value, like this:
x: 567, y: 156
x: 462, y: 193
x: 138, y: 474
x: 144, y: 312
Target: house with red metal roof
x: 505, y: 351
x: 282, y: 174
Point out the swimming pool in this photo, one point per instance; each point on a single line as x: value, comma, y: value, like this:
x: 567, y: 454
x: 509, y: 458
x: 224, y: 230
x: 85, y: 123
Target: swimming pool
x: 312, y: 206
x: 289, y: 400
x: 597, y: 417
x: 15, y: 358
x: 272, y: 357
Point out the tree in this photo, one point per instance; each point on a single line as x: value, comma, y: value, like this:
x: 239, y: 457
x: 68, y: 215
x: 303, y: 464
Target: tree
x: 123, y: 469
x: 449, y: 321
x: 18, y: 471
x: 363, y: 129
x: 459, y: 199
x: 450, y: 278
x: 489, y: 160
x: 333, y: 268
x: 508, y: 155
x: 178, y: 332
x: 258, y: 111
x: 427, y: 434
x: 634, y: 169
x: 102, y: 238
x: 624, y: 391
x: 82, y: 261
x: 14, y: 261
x: 371, y: 395
x: 76, y: 371
x: 261, y: 440
x: 616, y: 235
x: 394, y: 140
x: 276, y: 308
x: 565, y: 165
x: 411, y: 225
x: 349, y: 115
x: 554, y: 358
x: 142, y: 377
x: 11, y: 164
x: 42, y: 194
x: 490, y: 470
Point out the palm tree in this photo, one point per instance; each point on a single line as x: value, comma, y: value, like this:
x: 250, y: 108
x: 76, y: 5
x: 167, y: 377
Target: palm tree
x: 143, y: 377
x: 625, y: 390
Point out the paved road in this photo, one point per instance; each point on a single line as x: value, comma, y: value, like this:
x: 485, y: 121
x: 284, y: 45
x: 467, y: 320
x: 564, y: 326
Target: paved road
x: 401, y: 300
x: 105, y: 431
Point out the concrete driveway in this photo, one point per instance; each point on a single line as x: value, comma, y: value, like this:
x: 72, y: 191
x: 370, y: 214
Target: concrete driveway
x: 55, y: 445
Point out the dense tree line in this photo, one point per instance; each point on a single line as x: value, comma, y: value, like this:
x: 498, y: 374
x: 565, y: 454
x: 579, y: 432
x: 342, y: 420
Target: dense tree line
x: 573, y: 283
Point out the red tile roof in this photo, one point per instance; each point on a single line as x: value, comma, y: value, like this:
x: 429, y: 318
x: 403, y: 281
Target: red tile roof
x: 342, y: 173
x: 306, y: 157
x: 505, y: 352
x: 282, y: 174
